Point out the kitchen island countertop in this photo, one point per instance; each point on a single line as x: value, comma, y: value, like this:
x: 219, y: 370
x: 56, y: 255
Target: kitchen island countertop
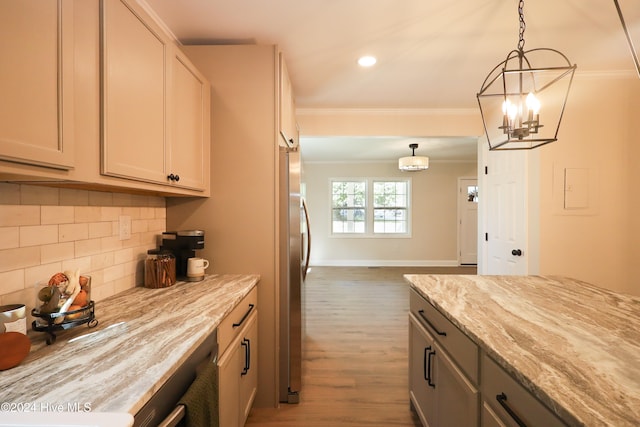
x: 142, y: 337
x: 571, y: 344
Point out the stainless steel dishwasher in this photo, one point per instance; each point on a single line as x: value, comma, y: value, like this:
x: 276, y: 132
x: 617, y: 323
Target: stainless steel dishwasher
x: 162, y: 409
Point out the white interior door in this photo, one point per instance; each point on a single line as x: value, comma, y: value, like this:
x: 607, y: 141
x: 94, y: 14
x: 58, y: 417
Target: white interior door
x: 506, y: 219
x: 468, y: 221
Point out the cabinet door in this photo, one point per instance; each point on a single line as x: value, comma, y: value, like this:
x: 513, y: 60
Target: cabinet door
x: 229, y: 368
x: 249, y: 373
x: 457, y: 399
x: 189, y: 111
x: 36, y: 82
x: 133, y: 95
x: 422, y: 394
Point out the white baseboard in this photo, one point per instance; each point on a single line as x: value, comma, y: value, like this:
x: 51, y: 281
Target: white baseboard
x: 383, y: 263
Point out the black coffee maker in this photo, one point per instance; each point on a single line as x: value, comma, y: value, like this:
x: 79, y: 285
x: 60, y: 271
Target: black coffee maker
x: 183, y: 245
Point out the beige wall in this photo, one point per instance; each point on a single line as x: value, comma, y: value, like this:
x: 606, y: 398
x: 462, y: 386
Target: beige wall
x: 598, y: 244
x: 239, y: 219
x: 433, y: 240
x: 46, y: 230
x: 389, y: 122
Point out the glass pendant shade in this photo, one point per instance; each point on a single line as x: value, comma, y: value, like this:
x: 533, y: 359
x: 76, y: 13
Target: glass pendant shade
x: 413, y: 163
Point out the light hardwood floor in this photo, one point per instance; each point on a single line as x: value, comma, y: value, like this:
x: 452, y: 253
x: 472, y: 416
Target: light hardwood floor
x: 355, y: 362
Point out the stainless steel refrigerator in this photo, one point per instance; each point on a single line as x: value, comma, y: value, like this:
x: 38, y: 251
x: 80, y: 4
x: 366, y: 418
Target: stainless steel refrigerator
x: 292, y: 219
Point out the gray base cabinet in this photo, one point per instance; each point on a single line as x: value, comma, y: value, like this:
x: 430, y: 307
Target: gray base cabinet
x: 443, y: 369
x: 453, y: 383
x: 507, y: 403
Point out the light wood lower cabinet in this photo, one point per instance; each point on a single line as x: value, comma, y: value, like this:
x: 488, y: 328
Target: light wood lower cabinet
x: 36, y: 83
x: 238, y: 363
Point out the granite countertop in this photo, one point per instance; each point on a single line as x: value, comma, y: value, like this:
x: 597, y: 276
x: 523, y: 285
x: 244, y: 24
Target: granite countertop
x: 142, y: 337
x: 573, y: 345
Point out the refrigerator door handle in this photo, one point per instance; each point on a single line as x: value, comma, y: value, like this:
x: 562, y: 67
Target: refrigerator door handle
x: 308, y: 251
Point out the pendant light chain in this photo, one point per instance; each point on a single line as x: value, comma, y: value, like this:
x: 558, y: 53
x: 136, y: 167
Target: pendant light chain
x: 523, y: 25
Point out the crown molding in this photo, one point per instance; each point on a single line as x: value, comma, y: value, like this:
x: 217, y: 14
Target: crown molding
x: 152, y: 13
x: 386, y: 111
x: 606, y: 74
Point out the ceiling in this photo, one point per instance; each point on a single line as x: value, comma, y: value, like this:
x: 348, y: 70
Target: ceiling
x: 432, y: 54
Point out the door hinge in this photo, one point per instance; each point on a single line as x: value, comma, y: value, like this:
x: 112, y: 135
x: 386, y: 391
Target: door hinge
x: 486, y: 237
x: 486, y: 170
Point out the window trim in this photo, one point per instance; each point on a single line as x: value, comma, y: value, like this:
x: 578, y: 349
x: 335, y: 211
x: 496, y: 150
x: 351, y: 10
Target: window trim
x: 369, y: 208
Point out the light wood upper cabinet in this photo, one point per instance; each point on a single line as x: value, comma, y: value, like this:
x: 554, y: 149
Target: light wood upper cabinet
x: 287, y: 108
x: 189, y: 134
x: 155, y: 111
x: 133, y: 95
x: 36, y: 83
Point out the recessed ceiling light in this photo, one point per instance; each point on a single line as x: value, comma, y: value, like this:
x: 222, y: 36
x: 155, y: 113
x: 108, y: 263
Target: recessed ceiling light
x: 367, y: 61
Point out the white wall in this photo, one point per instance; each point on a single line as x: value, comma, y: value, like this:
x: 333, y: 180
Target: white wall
x: 433, y: 241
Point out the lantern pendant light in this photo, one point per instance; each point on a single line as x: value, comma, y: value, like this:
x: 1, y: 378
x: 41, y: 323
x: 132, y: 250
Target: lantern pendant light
x: 522, y: 103
x: 413, y: 163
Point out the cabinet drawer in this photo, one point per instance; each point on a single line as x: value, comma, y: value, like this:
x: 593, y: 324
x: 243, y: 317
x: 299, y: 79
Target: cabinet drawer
x: 453, y: 340
x: 234, y: 321
x: 498, y: 386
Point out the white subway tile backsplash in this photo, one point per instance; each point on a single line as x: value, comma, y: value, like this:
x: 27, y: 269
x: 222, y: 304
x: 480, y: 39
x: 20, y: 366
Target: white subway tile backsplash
x: 100, y: 229
x: 147, y: 213
x: 110, y: 213
x: 9, y: 237
x: 40, y: 275
x: 12, y: 281
x: 73, y: 197
x: 44, y: 230
x: 139, y: 226
x: 88, y: 213
x: 112, y: 243
x: 122, y: 256
x: 16, y: 215
x: 114, y: 272
x: 56, y: 215
x: 56, y: 252
x: 102, y: 260
x: 13, y: 259
x: 72, y: 232
x: 87, y: 247
x: 99, y: 198
x: 9, y: 194
x: 34, y: 195
x: 134, y: 213
x: 82, y: 264
x: 38, y: 235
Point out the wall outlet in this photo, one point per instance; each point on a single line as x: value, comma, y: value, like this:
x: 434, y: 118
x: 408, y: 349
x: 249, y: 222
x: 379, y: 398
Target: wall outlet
x: 124, y: 225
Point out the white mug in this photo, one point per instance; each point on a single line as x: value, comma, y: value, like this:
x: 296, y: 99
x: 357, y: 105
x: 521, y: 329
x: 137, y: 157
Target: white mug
x: 196, y: 267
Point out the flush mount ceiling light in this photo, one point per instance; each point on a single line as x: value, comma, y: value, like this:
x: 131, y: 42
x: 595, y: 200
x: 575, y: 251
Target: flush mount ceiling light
x: 367, y: 61
x: 413, y: 163
x: 522, y: 103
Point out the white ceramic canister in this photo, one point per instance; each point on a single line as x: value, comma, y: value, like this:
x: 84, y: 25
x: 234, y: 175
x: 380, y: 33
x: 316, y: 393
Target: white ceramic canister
x: 12, y: 318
